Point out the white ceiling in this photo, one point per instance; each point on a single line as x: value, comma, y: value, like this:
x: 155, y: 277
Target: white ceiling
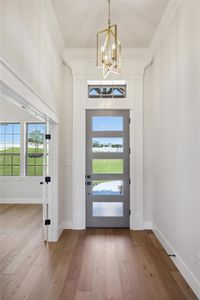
x: 80, y: 20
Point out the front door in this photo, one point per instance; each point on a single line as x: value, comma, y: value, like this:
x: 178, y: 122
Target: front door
x: 107, y: 168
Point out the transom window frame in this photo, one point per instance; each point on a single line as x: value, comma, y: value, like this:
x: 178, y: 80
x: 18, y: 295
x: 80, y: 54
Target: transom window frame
x: 106, y: 89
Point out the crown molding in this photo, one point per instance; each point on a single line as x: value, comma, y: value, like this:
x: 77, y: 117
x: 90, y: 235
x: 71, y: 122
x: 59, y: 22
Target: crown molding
x: 88, y: 67
x: 90, y: 53
x: 83, y: 61
x: 162, y: 27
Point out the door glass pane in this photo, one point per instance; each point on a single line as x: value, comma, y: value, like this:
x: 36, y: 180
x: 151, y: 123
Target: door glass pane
x: 107, y: 187
x: 107, y: 209
x: 107, y: 144
x: 107, y: 123
x: 107, y: 166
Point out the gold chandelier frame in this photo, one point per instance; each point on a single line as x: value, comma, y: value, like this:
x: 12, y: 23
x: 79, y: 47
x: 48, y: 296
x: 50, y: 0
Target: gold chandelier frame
x: 109, y: 49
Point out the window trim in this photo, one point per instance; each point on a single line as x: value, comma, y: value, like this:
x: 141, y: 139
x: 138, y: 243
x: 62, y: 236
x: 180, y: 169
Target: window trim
x: 26, y: 151
x: 20, y: 148
x: 109, y: 96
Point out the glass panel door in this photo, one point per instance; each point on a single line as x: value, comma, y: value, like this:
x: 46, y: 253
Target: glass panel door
x: 107, y: 168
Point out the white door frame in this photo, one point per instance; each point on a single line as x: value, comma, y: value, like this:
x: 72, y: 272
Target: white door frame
x: 16, y: 90
x: 133, y: 75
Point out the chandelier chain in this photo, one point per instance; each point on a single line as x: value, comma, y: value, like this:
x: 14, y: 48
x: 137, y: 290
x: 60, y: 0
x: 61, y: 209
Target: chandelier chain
x: 109, y: 14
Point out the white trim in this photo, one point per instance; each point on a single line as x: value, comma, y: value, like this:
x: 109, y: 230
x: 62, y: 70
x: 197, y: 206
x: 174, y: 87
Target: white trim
x: 17, y: 89
x: 20, y: 201
x: 89, y: 54
x: 66, y: 225
x: 148, y: 225
x: 21, y: 178
x: 165, y: 20
x: 133, y: 71
x: 191, y: 279
x: 59, y: 231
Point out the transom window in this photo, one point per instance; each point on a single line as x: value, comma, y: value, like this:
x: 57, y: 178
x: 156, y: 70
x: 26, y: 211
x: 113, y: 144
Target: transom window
x: 106, y: 89
x: 9, y: 149
x: 35, y: 148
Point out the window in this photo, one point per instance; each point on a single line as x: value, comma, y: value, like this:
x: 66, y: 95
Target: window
x: 35, y: 148
x: 107, y: 166
x: 107, y: 187
x: 106, y: 89
x: 9, y: 149
x: 107, y: 209
x: 108, y: 123
x: 108, y: 144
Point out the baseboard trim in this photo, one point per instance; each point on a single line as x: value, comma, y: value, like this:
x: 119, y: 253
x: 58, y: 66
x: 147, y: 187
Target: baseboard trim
x: 63, y: 225
x: 191, y: 279
x: 148, y: 225
x: 20, y: 201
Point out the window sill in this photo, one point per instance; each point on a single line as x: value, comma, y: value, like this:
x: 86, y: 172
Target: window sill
x: 21, y: 178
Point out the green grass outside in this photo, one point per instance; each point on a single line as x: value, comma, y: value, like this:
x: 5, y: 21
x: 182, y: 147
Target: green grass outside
x: 15, y: 162
x: 107, y: 166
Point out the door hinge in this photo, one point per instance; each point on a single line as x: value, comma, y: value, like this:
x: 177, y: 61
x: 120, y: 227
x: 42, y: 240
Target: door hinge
x: 87, y: 183
x: 129, y: 120
x: 129, y: 212
x: 129, y: 150
x: 47, y: 222
x: 129, y: 181
x: 47, y: 179
x: 48, y: 136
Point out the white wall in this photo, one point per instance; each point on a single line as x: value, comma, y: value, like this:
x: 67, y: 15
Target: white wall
x: 19, y: 189
x: 28, y: 47
x: 171, y: 140
x: 148, y: 147
x: 12, y: 113
x: 30, y: 44
x: 65, y: 152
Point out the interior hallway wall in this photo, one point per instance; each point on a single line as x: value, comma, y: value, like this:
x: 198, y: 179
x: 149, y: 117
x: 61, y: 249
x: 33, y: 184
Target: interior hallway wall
x: 65, y: 151
x: 148, y: 151
x: 29, y: 46
x: 171, y: 138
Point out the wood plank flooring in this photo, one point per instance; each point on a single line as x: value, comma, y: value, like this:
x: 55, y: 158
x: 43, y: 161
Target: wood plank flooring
x: 94, y: 264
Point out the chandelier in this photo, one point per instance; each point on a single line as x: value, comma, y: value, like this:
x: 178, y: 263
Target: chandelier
x: 109, y: 49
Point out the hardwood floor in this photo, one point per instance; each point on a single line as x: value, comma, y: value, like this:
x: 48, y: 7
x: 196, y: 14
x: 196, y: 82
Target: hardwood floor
x: 100, y: 264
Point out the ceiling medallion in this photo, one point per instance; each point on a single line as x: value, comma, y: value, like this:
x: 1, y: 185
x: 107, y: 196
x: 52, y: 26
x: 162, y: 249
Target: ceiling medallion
x: 109, y: 49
